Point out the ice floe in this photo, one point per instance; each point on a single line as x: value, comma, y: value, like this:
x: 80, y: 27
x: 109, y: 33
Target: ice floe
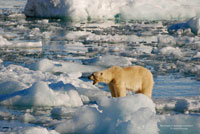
x: 5, y: 43
x: 171, y: 51
x: 186, y: 28
x: 178, y: 104
x: 114, y: 116
x: 194, y: 24
x: 197, y: 55
x: 109, y: 60
x: 35, y: 130
x: 39, y: 94
x: 14, y: 78
x: 144, y: 49
x: 46, y: 65
x: 109, y: 9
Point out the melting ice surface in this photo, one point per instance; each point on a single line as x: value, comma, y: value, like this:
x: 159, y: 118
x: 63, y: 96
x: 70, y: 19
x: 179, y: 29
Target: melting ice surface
x: 44, y: 64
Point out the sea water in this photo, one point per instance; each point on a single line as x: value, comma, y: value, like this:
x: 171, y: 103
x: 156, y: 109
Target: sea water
x: 44, y: 64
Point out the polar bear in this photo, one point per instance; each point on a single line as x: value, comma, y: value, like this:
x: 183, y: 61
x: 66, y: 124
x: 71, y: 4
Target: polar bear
x: 134, y: 78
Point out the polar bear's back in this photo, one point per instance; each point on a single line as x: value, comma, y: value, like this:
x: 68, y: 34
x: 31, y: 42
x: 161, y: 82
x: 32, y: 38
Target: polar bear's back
x: 138, y: 78
x: 138, y: 71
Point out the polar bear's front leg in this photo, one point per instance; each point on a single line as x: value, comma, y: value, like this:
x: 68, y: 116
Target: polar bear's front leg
x: 120, y: 91
x: 112, y: 90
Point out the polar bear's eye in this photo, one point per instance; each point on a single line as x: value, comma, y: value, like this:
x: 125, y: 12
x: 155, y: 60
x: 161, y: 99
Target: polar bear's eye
x: 101, y: 73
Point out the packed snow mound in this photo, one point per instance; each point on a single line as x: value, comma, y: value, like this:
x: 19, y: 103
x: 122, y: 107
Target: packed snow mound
x: 14, y: 78
x: 113, y: 9
x: 40, y: 94
x: 187, y: 28
x: 130, y: 114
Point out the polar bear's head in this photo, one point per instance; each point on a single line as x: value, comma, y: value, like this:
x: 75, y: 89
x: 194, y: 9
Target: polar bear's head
x: 104, y: 76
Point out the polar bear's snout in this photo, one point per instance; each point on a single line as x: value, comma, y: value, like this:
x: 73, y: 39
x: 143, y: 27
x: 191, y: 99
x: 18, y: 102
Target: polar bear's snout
x: 93, y: 77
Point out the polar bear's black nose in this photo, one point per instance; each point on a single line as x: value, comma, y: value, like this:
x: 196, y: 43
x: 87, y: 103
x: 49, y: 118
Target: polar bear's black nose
x: 91, y: 77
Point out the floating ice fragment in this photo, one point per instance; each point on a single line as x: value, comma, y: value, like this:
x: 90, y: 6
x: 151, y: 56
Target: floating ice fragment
x: 144, y: 49
x: 197, y: 55
x: 78, y: 35
x: 35, y: 130
x: 27, y: 117
x: 110, y: 60
x: 139, y: 39
x: 171, y: 51
x: 28, y: 44
x: 5, y: 43
x: 17, y: 16
x: 194, y: 24
x: 72, y: 68
x: 166, y: 39
x: 179, y: 104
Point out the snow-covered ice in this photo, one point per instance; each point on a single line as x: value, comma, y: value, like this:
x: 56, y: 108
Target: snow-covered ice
x: 171, y: 51
x: 35, y: 130
x: 109, y: 9
x: 109, y: 60
x: 5, y: 43
x: 39, y: 94
x: 194, y: 24
x: 121, y: 115
x: 114, y: 116
x: 42, y: 88
x: 14, y: 78
x: 179, y: 104
x: 186, y: 28
x: 44, y: 64
x: 197, y: 55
